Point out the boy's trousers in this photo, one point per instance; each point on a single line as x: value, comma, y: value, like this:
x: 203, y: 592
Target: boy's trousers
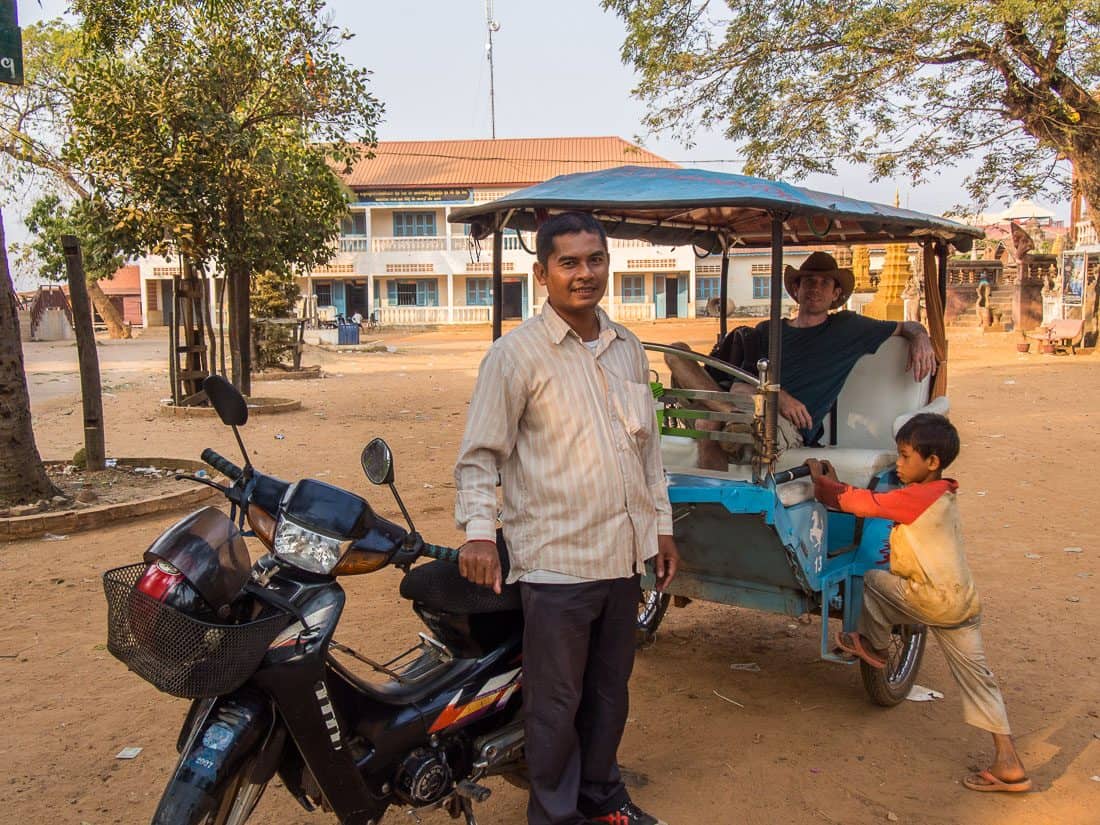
x: 884, y: 606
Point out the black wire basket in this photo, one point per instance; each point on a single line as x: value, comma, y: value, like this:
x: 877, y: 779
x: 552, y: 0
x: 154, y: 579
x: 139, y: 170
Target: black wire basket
x: 176, y: 653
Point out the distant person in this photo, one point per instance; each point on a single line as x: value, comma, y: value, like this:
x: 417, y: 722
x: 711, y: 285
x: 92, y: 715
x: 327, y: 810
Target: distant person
x: 820, y: 347
x: 928, y: 582
x: 562, y: 414
x: 357, y: 318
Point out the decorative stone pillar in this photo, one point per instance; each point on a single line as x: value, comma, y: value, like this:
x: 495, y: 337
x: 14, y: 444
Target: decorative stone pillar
x: 859, y: 259
x: 888, y: 304
x: 861, y: 268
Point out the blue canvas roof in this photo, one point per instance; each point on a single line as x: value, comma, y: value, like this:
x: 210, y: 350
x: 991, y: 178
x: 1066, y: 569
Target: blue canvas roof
x: 695, y: 206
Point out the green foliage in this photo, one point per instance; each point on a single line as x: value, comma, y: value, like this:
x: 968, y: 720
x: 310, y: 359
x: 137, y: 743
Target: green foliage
x: 905, y: 86
x: 211, y: 131
x: 274, y: 294
x: 49, y: 219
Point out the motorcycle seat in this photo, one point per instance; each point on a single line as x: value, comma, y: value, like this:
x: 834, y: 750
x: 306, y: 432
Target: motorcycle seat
x: 439, y: 586
x: 402, y: 694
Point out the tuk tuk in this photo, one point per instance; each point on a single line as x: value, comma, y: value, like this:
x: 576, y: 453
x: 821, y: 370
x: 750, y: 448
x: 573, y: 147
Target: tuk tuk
x: 754, y: 535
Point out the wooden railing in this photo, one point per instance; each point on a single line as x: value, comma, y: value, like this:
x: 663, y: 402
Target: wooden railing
x: 49, y: 297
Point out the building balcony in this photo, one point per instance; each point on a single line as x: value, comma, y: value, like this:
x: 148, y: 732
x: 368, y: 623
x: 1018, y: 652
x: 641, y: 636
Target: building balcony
x: 351, y: 245
x: 421, y: 243
x: 421, y: 316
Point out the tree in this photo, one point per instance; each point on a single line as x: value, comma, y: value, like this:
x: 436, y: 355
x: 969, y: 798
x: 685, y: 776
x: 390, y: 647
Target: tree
x: 33, y: 123
x: 23, y: 478
x: 49, y: 219
x: 274, y: 294
x: 209, y: 130
x: 903, y: 85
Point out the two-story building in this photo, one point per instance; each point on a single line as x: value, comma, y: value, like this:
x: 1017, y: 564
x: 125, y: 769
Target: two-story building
x: 400, y: 257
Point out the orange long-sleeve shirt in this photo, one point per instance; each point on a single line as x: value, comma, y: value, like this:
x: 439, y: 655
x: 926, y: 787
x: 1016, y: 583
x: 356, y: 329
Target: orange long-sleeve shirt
x: 926, y: 543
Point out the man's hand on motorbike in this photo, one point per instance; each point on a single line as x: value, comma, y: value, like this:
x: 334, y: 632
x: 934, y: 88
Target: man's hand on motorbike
x: 821, y: 468
x: 794, y: 411
x: 479, y: 562
x: 922, y: 358
x: 667, y: 561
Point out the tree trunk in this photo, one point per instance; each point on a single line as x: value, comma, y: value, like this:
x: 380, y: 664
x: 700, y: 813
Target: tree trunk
x: 116, y: 327
x: 1086, y: 165
x: 238, y: 272
x: 240, y: 327
x: 23, y: 479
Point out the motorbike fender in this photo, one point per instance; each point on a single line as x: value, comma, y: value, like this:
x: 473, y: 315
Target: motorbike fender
x: 235, y: 728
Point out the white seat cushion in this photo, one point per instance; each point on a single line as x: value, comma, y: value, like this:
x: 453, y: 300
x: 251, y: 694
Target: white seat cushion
x: 877, y: 391
x: 939, y: 406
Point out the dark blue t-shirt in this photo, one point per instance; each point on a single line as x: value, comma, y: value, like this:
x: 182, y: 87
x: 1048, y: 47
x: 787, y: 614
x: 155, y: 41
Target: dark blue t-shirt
x: 817, y: 360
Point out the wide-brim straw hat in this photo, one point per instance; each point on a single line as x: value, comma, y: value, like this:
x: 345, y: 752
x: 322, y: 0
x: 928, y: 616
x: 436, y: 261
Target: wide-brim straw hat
x: 821, y: 263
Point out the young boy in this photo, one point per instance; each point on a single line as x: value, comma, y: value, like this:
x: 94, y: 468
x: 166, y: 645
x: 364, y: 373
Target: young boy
x: 929, y: 581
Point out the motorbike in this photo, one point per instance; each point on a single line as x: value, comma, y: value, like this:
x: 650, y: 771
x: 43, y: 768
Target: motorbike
x: 273, y: 695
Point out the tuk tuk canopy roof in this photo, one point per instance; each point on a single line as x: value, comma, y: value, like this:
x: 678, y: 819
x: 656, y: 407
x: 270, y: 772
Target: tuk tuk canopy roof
x: 677, y: 207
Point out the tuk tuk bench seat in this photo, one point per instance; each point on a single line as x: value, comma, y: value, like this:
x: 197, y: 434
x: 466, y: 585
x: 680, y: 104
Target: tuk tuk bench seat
x: 877, y: 398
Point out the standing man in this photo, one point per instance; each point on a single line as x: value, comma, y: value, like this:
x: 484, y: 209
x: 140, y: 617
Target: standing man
x: 562, y: 412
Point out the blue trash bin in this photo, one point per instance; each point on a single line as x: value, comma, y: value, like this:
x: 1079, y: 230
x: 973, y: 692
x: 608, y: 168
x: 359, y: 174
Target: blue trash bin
x: 347, y: 335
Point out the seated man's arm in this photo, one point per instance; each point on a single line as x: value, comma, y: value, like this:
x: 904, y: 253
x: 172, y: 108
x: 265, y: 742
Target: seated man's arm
x: 922, y: 358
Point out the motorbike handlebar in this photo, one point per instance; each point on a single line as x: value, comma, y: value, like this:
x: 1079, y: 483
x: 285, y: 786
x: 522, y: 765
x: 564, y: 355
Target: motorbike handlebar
x: 223, y: 465
x: 784, y: 476
x: 436, y: 551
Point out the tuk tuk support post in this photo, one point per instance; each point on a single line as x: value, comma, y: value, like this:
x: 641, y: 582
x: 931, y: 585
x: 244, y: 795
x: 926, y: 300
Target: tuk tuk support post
x: 498, y: 281
x: 775, y: 347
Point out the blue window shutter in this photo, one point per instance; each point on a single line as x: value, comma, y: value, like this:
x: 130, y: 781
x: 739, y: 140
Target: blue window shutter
x: 391, y: 292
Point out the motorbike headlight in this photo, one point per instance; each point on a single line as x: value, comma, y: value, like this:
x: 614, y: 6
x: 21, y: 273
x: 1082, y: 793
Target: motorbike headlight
x: 306, y: 548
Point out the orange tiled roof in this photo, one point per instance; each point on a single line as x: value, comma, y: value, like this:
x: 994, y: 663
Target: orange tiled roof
x: 410, y: 164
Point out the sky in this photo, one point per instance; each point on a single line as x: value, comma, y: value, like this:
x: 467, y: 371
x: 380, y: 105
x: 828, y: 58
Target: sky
x: 557, y: 74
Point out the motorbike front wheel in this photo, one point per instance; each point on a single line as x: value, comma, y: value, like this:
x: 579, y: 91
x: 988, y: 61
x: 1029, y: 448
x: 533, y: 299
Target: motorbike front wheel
x: 651, y: 610
x: 890, y: 685
x: 238, y: 801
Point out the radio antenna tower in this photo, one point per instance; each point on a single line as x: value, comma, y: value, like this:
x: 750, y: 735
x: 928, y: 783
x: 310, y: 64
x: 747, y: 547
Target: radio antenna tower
x: 493, y: 26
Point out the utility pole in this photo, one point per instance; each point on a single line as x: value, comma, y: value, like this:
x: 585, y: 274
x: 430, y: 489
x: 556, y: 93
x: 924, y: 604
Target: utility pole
x: 493, y: 26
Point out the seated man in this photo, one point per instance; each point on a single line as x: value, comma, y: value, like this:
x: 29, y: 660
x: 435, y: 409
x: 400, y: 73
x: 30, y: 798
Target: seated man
x: 820, y: 347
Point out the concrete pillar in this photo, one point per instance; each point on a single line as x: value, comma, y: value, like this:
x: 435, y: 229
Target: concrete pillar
x: 450, y: 288
x: 530, y: 293
x: 611, y: 295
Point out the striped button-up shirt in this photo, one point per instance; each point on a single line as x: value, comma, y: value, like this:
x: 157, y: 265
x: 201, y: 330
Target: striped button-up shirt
x: 572, y: 435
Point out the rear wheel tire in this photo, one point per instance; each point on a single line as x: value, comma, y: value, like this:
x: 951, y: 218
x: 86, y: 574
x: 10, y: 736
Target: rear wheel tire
x: 651, y: 611
x: 890, y: 685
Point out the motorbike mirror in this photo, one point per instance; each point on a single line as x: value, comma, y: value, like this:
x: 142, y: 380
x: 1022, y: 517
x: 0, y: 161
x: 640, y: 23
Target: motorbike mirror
x: 377, y: 461
x: 227, y: 400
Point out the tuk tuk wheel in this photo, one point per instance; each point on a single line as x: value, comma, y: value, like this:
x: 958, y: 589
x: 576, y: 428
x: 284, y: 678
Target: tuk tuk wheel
x: 651, y: 610
x: 890, y: 685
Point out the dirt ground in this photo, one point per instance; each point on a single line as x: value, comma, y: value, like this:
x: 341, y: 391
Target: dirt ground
x: 807, y: 747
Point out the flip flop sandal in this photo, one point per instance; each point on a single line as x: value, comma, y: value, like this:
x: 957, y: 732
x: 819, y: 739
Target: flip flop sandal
x: 853, y: 643
x: 990, y: 783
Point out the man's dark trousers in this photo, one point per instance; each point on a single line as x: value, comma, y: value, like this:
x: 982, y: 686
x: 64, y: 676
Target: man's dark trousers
x: 578, y: 651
